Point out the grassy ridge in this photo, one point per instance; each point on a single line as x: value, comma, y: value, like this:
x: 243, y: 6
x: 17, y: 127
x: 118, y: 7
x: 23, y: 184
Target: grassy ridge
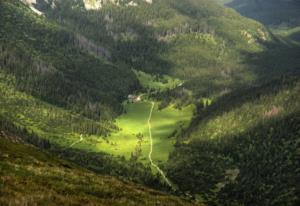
x: 29, y: 176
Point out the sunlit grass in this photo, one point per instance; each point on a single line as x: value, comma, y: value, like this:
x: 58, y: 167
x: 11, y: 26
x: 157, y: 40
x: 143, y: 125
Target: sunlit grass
x: 164, y: 123
x: 161, y: 83
x: 52, y: 123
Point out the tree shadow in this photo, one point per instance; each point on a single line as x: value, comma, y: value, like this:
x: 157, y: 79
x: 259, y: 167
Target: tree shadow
x: 279, y: 57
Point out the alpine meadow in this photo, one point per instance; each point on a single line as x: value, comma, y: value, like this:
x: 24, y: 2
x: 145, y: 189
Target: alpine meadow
x: 149, y: 102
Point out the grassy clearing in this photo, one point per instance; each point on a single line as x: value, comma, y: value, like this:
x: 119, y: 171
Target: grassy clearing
x: 158, y: 83
x: 57, y: 125
x: 165, y: 123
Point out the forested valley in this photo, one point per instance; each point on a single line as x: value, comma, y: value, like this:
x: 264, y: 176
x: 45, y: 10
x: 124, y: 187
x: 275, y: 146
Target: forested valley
x: 193, y: 102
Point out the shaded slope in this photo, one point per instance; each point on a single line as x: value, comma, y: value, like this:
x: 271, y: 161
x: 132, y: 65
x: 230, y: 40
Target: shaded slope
x: 269, y: 12
x: 197, y: 41
x: 243, y: 150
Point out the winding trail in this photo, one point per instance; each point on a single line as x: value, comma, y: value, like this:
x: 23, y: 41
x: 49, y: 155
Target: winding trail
x: 151, y: 148
x: 76, y: 142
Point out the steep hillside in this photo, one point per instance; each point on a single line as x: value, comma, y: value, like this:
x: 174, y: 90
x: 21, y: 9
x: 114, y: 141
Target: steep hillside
x: 64, y: 67
x: 48, y: 62
x: 184, y: 95
x: 63, y: 93
x: 283, y: 21
x: 192, y: 40
x: 244, y: 148
x: 267, y: 11
x: 30, y: 177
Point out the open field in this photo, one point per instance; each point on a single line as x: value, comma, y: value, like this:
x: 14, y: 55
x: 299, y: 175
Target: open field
x: 58, y: 125
x: 158, y: 83
x: 164, y: 123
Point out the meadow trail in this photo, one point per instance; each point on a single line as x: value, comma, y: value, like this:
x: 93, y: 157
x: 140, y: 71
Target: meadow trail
x: 151, y: 148
x: 76, y: 142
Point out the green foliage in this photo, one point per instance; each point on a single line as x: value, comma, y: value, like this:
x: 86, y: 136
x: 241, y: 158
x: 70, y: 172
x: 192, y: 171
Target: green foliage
x: 269, y: 12
x: 99, y: 162
x: 45, y: 119
x: 47, y: 63
x: 245, y: 143
x: 157, y: 83
x: 64, y: 75
x: 167, y: 124
x: 196, y: 41
x: 29, y: 176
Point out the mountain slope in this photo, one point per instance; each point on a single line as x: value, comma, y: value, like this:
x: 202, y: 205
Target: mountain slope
x: 245, y: 143
x: 63, y: 71
x: 30, y: 177
x: 61, y: 93
x: 191, y: 40
x: 268, y: 11
x: 69, y: 67
x: 49, y: 63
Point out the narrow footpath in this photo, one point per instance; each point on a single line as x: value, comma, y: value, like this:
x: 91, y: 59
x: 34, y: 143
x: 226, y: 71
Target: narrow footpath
x: 76, y: 142
x: 151, y: 148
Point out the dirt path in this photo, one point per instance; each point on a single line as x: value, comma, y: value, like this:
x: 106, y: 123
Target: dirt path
x: 76, y: 142
x: 151, y: 148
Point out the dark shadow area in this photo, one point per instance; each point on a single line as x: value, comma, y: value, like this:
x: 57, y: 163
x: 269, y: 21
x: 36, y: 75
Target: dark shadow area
x: 269, y: 12
x: 260, y: 162
x: 295, y: 36
x: 278, y: 57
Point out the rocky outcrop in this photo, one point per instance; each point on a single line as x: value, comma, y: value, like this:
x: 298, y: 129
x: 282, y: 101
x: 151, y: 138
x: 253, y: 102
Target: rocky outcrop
x: 98, y: 4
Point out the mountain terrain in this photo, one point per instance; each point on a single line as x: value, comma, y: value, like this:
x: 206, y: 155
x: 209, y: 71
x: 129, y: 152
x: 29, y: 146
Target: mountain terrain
x: 31, y: 177
x: 189, y: 98
x: 268, y: 12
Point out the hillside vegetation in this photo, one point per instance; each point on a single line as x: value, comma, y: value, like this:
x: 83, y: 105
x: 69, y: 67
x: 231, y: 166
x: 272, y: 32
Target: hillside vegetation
x: 30, y: 177
x: 182, y: 95
x: 267, y: 11
x: 196, y: 40
x: 48, y: 63
x: 243, y: 149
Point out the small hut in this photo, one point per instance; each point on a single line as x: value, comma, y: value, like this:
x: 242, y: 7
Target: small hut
x: 134, y: 98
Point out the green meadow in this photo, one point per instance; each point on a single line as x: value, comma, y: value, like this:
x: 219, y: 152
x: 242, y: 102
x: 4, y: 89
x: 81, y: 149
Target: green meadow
x: 49, y: 122
x: 132, y: 138
x: 155, y: 82
x: 165, y: 124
